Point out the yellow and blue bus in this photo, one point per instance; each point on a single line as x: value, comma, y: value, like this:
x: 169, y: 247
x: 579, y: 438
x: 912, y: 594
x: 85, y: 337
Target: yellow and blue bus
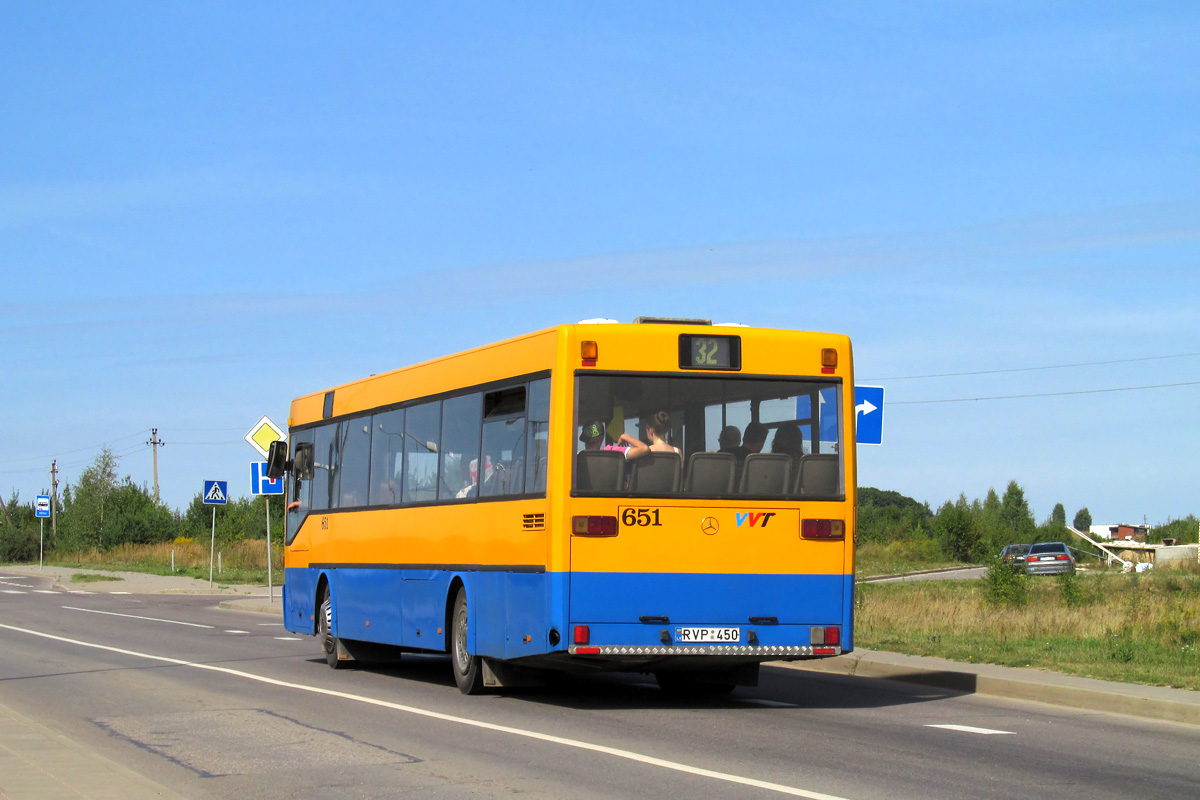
x: 669, y: 496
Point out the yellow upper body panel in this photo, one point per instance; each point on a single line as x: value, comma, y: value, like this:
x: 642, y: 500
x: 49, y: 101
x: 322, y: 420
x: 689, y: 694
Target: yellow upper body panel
x: 490, y: 533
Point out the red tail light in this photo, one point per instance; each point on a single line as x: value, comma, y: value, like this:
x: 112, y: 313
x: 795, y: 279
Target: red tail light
x: 822, y: 529
x: 582, y: 634
x: 1031, y: 559
x: 833, y: 635
x: 1062, y: 558
x: 594, y: 526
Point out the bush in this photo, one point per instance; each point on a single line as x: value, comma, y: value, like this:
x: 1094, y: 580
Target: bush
x: 1070, y: 590
x: 1006, y: 586
x: 18, y: 543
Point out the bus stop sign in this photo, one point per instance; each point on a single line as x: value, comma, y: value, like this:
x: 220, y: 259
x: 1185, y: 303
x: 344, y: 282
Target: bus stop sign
x: 42, y: 509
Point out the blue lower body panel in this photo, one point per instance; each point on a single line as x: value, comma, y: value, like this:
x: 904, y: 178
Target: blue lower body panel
x: 625, y: 597
x: 508, y: 611
x: 516, y: 615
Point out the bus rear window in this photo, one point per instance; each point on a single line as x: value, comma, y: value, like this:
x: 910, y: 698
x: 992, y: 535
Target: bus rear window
x: 649, y: 435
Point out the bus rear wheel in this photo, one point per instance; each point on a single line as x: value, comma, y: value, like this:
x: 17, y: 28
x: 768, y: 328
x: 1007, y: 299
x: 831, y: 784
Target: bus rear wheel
x: 468, y: 672
x: 329, y: 642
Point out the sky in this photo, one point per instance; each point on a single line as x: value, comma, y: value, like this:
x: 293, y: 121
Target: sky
x: 208, y: 209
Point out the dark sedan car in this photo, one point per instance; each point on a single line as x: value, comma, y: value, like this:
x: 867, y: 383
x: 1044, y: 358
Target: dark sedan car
x: 1049, y: 558
x: 1013, y: 555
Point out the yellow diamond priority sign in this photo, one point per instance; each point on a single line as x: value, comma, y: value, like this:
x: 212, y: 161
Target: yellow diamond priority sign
x: 263, y: 433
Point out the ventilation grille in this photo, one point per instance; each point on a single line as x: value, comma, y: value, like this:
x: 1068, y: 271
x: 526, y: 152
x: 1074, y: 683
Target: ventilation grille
x: 534, y: 522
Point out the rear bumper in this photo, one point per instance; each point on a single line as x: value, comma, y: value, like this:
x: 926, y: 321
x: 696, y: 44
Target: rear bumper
x: 1050, y: 568
x: 741, y: 652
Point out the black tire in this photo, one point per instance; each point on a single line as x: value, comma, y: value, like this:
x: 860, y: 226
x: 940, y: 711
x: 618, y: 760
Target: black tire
x: 329, y: 642
x: 468, y: 672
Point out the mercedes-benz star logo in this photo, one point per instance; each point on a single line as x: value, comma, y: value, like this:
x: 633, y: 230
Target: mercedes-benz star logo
x: 710, y: 525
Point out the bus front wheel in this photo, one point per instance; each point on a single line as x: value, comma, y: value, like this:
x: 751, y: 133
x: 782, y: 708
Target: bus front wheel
x: 468, y: 673
x: 329, y: 642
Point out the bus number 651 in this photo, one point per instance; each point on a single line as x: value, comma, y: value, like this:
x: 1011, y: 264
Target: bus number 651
x: 642, y: 517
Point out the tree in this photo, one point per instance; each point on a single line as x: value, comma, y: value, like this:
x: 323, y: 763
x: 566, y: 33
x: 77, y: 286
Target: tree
x: 1059, y: 515
x: 887, y: 516
x: 1083, y: 520
x: 19, y: 535
x: 957, y: 532
x: 1015, y: 513
x: 86, y: 505
x: 134, y: 518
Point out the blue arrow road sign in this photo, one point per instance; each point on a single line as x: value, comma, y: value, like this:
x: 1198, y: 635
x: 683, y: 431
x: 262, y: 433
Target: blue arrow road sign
x: 216, y: 493
x: 868, y: 414
x: 42, y: 509
x: 260, y: 483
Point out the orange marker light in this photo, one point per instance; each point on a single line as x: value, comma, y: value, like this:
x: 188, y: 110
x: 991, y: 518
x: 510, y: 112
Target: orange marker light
x: 590, y: 353
x: 828, y: 360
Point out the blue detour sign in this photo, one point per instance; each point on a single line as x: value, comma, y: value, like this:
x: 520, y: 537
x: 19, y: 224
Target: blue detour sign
x: 216, y: 493
x: 868, y: 414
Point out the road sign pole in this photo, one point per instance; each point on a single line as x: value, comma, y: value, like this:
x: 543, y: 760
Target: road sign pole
x: 41, y: 541
x: 213, y: 548
x: 270, y: 585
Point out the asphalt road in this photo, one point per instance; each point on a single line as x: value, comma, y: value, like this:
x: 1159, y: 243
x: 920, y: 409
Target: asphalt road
x: 219, y: 704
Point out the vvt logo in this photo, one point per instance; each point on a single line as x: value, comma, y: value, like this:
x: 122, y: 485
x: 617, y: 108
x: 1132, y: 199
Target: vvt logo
x: 754, y: 518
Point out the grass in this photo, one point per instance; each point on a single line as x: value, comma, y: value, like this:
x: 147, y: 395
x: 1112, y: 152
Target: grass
x: 872, y: 559
x: 84, y: 577
x: 241, y: 562
x: 1120, y: 627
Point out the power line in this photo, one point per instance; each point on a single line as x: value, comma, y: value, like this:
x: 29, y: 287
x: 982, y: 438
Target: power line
x: 69, y: 452
x: 1031, y: 369
x: 1042, y: 394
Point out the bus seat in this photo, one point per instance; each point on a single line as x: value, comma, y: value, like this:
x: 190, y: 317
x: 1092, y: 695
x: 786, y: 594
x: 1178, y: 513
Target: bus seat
x: 766, y: 473
x: 818, y: 476
x: 656, y: 472
x: 710, y: 473
x: 600, y: 470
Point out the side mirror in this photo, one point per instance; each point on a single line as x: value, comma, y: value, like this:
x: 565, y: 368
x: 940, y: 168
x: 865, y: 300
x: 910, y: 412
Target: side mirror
x: 277, y: 460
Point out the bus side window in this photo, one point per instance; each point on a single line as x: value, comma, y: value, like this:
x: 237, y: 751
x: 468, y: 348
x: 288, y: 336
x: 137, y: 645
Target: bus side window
x: 422, y: 425
x: 325, y: 460
x: 355, y: 449
x: 537, y: 438
x: 300, y: 498
x: 387, y: 457
x: 503, y: 442
x: 459, y: 447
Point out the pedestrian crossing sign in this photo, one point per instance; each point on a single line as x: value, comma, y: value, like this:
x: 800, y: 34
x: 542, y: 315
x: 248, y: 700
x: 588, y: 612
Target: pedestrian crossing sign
x: 216, y: 493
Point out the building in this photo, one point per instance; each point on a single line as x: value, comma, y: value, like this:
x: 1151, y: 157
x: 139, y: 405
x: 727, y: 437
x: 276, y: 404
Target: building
x: 1120, y: 532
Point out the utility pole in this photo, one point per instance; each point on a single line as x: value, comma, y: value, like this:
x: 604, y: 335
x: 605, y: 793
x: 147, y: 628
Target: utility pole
x: 54, y: 501
x: 156, y: 443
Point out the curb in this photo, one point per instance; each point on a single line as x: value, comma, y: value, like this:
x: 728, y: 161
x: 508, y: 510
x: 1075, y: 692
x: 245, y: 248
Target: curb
x: 254, y: 605
x: 1015, y: 683
x: 914, y: 573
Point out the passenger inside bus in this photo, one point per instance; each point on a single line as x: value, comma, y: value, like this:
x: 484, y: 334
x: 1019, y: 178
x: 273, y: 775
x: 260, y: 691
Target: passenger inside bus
x: 789, y: 440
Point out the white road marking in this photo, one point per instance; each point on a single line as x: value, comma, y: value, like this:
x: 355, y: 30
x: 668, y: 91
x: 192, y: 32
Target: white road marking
x: 969, y: 729
x: 237, y: 631
x: 474, y: 723
x: 13, y: 591
x: 120, y: 592
x: 289, y: 638
x: 270, y: 624
x: 135, y: 616
x: 768, y: 703
x: 79, y: 591
x: 45, y: 591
